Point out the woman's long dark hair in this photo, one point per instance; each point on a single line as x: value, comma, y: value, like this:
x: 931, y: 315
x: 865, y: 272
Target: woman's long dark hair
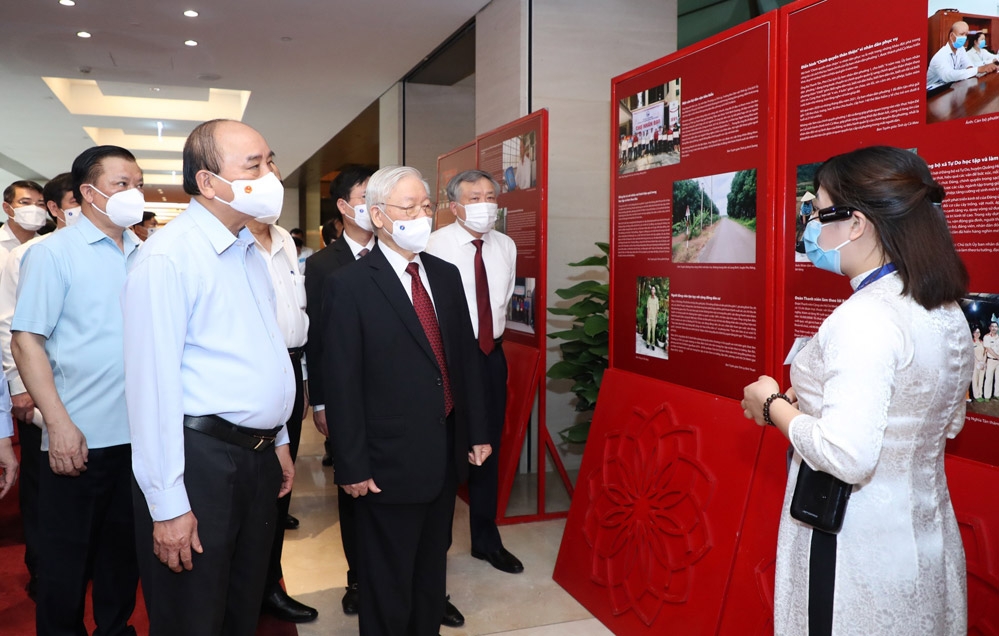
x: 895, y: 191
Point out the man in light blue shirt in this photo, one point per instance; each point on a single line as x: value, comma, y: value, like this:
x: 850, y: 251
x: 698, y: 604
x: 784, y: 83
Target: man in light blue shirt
x: 67, y: 344
x: 209, y: 396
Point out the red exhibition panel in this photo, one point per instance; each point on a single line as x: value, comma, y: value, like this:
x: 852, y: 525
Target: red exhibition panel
x: 524, y: 365
x: 864, y: 84
x: 653, y: 528
x: 693, y: 157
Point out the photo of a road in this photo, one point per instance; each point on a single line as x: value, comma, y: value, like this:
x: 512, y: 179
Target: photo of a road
x: 714, y: 219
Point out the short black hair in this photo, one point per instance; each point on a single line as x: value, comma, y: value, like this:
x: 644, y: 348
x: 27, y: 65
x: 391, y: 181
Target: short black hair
x: 296, y: 230
x: 8, y: 193
x: 87, y: 167
x: 57, y: 187
x: 350, y: 175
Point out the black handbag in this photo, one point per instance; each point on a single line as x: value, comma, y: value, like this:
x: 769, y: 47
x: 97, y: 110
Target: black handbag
x: 820, y: 499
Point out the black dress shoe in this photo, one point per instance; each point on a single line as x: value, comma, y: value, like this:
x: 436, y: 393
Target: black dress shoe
x: 452, y: 617
x: 290, y: 523
x: 281, y: 606
x: 349, y: 601
x: 501, y: 559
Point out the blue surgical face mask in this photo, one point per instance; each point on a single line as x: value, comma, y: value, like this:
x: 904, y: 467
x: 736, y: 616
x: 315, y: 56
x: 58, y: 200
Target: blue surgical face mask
x: 980, y: 44
x: 959, y: 41
x: 821, y: 258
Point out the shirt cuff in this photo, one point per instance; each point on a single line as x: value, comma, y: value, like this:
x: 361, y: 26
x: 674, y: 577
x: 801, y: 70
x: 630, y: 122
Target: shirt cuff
x: 318, y: 407
x: 168, y: 504
x: 282, y: 437
x: 16, y: 384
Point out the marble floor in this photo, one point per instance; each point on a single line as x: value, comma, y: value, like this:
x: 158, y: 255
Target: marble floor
x: 526, y: 604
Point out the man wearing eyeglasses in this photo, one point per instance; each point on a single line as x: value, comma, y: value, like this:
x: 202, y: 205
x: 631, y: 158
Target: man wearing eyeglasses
x: 402, y: 369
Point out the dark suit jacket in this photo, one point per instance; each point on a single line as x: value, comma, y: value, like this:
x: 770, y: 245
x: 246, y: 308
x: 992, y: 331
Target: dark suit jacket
x: 317, y: 268
x: 381, y: 373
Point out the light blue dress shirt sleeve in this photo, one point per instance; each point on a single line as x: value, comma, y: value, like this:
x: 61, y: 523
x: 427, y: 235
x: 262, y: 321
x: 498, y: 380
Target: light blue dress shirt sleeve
x: 39, y: 303
x: 6, y: 423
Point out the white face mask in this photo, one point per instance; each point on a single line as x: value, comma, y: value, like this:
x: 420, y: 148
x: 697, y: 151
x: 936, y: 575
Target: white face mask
x: 72, y: 215
x: 269, y: 220
x: 260, y: 198
x: 361, y: 217
x: 480, y: 217
x: 123, y: 208
x: 30, y: 217
x: 410, y: 234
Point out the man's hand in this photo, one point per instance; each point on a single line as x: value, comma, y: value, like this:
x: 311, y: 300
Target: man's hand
x: 24, y: 407
x: 319, y: 417
x: 283, y: 453
x: 8, y: 463
x: 174, y: 540
x: 67, y: 449
x: 361, y: 489
x: 479, y: 454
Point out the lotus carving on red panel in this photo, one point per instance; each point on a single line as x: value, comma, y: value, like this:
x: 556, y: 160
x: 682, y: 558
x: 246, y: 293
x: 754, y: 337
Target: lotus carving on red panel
x: 645, y: 520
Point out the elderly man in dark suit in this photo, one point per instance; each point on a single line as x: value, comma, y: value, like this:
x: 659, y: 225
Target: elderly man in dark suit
x: 400, y: 364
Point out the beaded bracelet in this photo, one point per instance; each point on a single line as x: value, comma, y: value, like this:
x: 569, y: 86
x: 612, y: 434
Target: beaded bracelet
x: 766, y: 406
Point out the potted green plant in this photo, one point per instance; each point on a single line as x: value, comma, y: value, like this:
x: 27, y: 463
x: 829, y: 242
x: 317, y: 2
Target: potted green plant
x: 584, y: 352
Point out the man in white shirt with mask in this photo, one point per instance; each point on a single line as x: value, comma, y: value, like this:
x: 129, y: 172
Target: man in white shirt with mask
x: 951, y: 63
x: 24, y: 205
x: 61, y: 204
x: 486, y: 261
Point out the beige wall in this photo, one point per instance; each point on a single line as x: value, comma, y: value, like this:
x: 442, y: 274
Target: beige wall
x: 438, y: 119
x: 577, y: 47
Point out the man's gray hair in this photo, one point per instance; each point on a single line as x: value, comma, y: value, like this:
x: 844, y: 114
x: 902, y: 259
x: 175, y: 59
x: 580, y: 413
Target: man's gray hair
x: 381, y: 184
x: 468, y: 176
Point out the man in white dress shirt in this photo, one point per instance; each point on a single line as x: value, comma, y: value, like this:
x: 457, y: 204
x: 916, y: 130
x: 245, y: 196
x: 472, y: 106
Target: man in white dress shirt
x: 209, y: 396
x: 24, y: 205
x: 277, y: 248
x: 486, y: 261
x: 991, y: 342
x: 59, y: 197
x: 951, y: 63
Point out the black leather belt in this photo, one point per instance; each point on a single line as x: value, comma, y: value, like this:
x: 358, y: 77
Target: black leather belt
x: 256, y: 439
x: 296, y: 352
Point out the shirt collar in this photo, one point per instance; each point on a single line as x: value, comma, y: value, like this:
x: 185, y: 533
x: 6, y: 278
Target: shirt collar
x: 92, y: 234
x: 398, y: 262
x: 356, y: 247
x: 218, y: 235
x: 464, y: 236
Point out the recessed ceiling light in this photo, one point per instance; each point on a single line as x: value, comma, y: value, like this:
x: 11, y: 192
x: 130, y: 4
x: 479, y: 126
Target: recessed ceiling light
x: 82, y: 34
x: 190, y: 43
x: 67, y: 3
x: 191, y: 13
x: 155, y: 89
x: 286, y: 38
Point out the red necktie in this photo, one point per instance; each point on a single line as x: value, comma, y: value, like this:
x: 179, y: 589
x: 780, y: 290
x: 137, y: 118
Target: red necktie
x: 363, y: 252
x: 428, y: 318
x: 486, y: 341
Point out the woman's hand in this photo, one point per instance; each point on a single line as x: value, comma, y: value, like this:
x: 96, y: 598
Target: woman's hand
x: 754, y: 396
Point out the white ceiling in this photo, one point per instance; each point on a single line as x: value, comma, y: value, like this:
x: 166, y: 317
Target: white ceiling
x: 310, y: 66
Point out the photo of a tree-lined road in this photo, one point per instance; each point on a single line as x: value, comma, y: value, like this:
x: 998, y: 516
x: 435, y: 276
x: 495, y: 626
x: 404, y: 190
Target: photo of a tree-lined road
x: 714, y: 218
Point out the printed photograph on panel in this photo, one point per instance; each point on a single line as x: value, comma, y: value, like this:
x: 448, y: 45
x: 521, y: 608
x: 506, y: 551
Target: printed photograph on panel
x: 649, y: 128
x: 961, y: 60
x: 982, y: 312
x: 804, y: 199
x: 520, y: 170
x: 652, y: 317
x: 714, y: 218
x: 520, y: 312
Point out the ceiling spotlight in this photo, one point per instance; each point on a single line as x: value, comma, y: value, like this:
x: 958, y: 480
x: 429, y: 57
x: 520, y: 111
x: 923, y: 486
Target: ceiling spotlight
x: 67, y: 3
x: 190, y: 43
x: 82, y: 34
x: 155, y: 89
x: 286, y: 38
x: 191, y: 13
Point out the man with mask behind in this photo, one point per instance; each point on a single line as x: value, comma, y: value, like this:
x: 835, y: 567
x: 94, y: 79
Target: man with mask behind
x: 487, y: 262
x: 209, y: 396
x: 67, y: 344
x: 24, y: 205
x: 62, y: 205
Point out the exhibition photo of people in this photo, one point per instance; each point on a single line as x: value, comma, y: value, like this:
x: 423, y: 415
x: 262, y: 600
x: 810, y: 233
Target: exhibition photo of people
x: 652, y: 317
x: 961, y: 70
x: 982, y: 313
x: 649, y: 129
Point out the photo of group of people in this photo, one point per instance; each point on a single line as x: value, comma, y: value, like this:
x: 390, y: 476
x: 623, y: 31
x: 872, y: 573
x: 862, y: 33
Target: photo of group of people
x: 982, y: 312
x: 652, y: 317
x: 520, y: 171
x: 649, y: 128
x: 714, y: 218
x: 520, y: 311
x: 962, y: 68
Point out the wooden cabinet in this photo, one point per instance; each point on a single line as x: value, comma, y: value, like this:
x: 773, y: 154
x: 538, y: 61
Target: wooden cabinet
x: 941, y: 21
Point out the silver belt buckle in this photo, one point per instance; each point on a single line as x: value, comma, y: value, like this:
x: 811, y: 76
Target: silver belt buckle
x: 260, y: 442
